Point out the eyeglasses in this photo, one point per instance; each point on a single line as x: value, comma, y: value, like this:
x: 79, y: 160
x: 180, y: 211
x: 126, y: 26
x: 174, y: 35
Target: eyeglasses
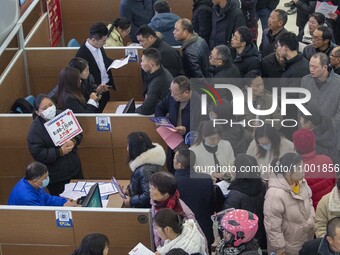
x: 334, y: 56
x: 211, y: 56
x: 317, y: 39
x: 172, y: 93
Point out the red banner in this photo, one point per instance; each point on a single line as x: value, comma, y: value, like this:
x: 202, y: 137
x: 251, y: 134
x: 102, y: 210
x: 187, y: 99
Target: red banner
x: 54, y: 19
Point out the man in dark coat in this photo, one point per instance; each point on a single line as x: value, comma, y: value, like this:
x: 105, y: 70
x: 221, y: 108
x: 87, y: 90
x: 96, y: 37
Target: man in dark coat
x: 322, y: 42
x: 276, y: 22
x: 196, y: 190
x: 156, y: 83
x: 334, y: 59
x: 201, y: 18
x: 93, y: 52
x: 139, y: 12
x: 183, y: 108
x: 327, y: 245
x: 263, y: 10
x: 222, y: 67
x: 164, y: 21
x: 244, y: 53
x: 272, y: 66
x: 194, y: 50
x: 295, y: 67
x: 304, y: 9
x: 171, y: 59
x: 227, y: 17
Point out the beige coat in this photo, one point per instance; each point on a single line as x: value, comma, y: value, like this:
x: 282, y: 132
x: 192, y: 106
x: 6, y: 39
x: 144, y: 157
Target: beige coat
x: 264, y: 163
x: 328, y: 208
x: 114, y: 39
x: 288, y: 217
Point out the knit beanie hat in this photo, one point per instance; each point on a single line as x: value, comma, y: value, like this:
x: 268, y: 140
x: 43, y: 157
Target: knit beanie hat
x: 304, y: 141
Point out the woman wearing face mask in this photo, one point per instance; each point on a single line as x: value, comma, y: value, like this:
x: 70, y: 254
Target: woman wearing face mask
x: 69, y: 95
x: 212, y: 151
x: 267, y: 145
x: 63, y: 162
x: 288, y: 210
x: 30, y: 190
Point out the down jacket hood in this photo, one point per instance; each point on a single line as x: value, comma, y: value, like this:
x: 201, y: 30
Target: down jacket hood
x: 155, y: 156
x: 164, y: 22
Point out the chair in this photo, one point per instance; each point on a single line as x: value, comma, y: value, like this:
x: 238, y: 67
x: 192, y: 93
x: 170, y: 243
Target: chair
x: 73, y: 43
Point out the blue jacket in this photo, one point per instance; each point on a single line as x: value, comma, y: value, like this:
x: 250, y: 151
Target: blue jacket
x: 24, y: 193
x: 165, y: 23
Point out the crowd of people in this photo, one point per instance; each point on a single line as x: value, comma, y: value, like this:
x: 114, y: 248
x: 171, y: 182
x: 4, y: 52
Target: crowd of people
x: 206, y: 200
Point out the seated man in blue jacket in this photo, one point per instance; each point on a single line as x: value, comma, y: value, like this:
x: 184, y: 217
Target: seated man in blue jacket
x: 30, y: 190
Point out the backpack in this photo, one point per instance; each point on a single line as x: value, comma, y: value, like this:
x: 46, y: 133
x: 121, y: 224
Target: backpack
x: 21, y: 105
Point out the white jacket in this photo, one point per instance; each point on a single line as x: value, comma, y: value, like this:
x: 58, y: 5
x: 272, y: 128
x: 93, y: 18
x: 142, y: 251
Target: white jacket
x: 191, y: 240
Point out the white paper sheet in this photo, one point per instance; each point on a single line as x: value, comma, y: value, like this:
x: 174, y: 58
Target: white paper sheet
x: 325, y: 8
x: 118, y: 63
x: 140, y: 249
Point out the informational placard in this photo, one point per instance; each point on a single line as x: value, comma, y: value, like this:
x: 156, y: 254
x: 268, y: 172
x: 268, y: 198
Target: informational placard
x: 103, y: 123
x: 64, y: 219
x: 54, y: 20
x: 63, y: 127
x: 133, y: 53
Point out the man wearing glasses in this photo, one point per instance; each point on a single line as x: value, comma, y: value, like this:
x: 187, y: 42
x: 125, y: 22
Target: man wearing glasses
x: 176, y: 106
x: 321, y: 42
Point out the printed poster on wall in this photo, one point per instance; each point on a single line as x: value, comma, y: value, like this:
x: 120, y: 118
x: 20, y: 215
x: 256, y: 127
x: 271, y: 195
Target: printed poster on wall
x: 54, y: 20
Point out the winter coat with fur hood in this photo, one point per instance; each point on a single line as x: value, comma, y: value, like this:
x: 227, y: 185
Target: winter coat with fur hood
x: 142, y: 167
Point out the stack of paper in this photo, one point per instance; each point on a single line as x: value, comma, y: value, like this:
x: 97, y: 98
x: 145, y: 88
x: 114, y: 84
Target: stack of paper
x: 140, y: 249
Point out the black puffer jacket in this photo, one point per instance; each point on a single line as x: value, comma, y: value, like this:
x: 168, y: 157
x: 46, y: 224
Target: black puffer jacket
x: 145, y: 165
x: 268, y: 41
x: 304, y: 9
x: 227, y: 71
x: 195, y: 57
x: 296, y: 67
x: 156, y: 86
x: 248, y: 60
x: 43, y: 150
x: 171, y: 59
x: 224, y: 22
x: 271, y: 68
x: 248, y: 194
x: 201, y: 18
x: 270, y: 4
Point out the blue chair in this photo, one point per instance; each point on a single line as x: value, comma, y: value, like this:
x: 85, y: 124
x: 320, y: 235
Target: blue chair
x: 30, y: 99
x: 73, y: 43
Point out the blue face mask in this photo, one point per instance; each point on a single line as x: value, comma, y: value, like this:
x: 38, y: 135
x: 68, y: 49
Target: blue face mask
x: 46, y: 182
x: 267, y: 147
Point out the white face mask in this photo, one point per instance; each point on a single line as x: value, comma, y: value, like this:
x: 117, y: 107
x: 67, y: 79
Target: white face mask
x: 49, y: 113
